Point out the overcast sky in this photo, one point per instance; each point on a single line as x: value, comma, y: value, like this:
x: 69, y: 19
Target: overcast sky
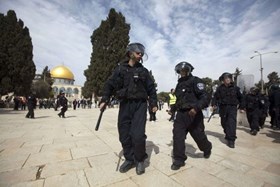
x: 215, y: 36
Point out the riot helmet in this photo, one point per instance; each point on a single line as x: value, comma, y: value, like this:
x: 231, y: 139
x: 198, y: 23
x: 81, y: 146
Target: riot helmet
x: 225, y: 75
x: 254, y: 90
x: 184, y: 65
x: 136, y: 47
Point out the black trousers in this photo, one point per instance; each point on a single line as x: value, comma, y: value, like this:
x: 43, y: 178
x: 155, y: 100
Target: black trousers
x: 228, y: 114
x: 253, y: 118
x: 172, y: 108
x: 30, y: 113
x: 132, y: 126
x: 182, y: 125
x: 62, y: 111
x: 276, y: 119
x: 152, y: 115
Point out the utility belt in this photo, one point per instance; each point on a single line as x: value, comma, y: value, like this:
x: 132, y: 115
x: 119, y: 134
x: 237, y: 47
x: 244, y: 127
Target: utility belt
x: 184, y: 110
x: 228, y: 104
x: 128, y: 100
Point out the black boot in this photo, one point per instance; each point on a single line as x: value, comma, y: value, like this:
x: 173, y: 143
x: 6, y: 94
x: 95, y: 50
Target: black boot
x: 231, y: 144
x: 140, y: 168
x: 207, y: 154
x: 127, y: 165
x: 176, y: 166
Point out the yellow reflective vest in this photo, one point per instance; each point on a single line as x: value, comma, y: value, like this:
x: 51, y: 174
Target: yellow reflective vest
x: 172, y: 99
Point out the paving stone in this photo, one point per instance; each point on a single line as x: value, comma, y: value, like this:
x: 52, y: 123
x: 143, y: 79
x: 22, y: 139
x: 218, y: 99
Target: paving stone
x: 128, y: 182
x: 17, y: 176
x: 43, y: 158
x: 70, y: 179
x: 103, y: 171
x: 239, y: 179
x: 196, y: 177
x: 266, y: 176
x: 60, y: 168
x: 52, y: 151
x: 155, y: 178
x: 37, y: 183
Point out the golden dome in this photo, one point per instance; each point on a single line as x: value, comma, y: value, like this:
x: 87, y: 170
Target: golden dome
x: 62, y: 72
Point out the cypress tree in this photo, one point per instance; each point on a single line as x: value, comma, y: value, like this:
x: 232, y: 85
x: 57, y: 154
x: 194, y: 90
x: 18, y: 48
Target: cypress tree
x: 16, y: 57
x: 109, y: 43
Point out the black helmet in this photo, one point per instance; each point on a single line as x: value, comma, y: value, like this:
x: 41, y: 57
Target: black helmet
x: 254, y: 90
x: 225, y: 75
x: 183, y: 65
x: 135, y: 47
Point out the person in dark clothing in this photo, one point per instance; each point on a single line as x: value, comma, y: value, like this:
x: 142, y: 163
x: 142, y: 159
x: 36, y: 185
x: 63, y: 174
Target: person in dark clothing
x: 31, y: 104
x: 228, y: 97
x: 133, y: 85
x: 16, y: 102
x: 264, y: 106
x: 63, y: 102
x: 253, y: 109
x: 75, y: 104
x: 191, y: 99
x: 274, y: 99
x: 152, y: 114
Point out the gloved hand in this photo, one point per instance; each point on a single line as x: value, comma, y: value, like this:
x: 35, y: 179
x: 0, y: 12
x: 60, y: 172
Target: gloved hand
x: 192, y: 112
x: 154, y: 109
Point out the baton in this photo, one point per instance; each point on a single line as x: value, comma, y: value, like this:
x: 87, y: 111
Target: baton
x: 100, y: 117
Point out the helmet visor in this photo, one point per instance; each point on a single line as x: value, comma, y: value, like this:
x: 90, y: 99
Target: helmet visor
x: 137, y: 47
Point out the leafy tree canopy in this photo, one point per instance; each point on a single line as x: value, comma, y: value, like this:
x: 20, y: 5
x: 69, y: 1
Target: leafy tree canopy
x: 109, y: 43
x: 42, y: 87
x: 16, y: 56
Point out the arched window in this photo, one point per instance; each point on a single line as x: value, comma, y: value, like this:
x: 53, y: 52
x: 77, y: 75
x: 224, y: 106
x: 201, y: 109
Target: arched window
x: 69, y: 92
x: 76, y: 91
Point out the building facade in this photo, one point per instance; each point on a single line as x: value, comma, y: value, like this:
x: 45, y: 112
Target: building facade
x: 64, y: 82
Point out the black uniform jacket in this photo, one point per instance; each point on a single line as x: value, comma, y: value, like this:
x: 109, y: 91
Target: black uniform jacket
x: 128, y: 83
x: 191, y: 93
x: 228, y: 95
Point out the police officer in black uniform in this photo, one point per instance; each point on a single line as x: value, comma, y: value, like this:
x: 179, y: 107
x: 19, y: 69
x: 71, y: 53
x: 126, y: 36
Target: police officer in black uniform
x: 274, y: 99
x: 253, y: 109
x: 264, y: 106
x: 133, y: 86
x: 63, y: 102
x: 228, y: 97
x: 31, y: 104
x: 191, y: 99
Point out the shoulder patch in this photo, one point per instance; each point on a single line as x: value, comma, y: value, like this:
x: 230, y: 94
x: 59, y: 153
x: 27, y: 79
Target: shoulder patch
x: 200, y: 86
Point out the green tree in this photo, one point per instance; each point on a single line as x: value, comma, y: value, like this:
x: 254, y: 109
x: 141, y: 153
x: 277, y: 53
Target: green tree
x: 16, y: 56
x: 109, y: 43
x: 163, y: 96
x: 272, y: 79
x: 153, y: 78
x: 46, y: 76
x: 43, y: 86
x: 209, y: 84
x: 41, y: 89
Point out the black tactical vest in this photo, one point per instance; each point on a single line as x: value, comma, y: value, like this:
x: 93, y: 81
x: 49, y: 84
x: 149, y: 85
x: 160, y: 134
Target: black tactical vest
x: 229, y: 95
x: 185, y: 94
x: 131, y: 83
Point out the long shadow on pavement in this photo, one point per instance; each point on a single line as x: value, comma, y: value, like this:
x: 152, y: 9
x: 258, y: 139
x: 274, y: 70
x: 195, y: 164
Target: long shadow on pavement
x: 42, y: 117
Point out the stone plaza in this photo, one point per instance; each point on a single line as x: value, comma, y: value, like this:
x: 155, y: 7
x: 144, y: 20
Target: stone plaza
x: 49, y: 151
